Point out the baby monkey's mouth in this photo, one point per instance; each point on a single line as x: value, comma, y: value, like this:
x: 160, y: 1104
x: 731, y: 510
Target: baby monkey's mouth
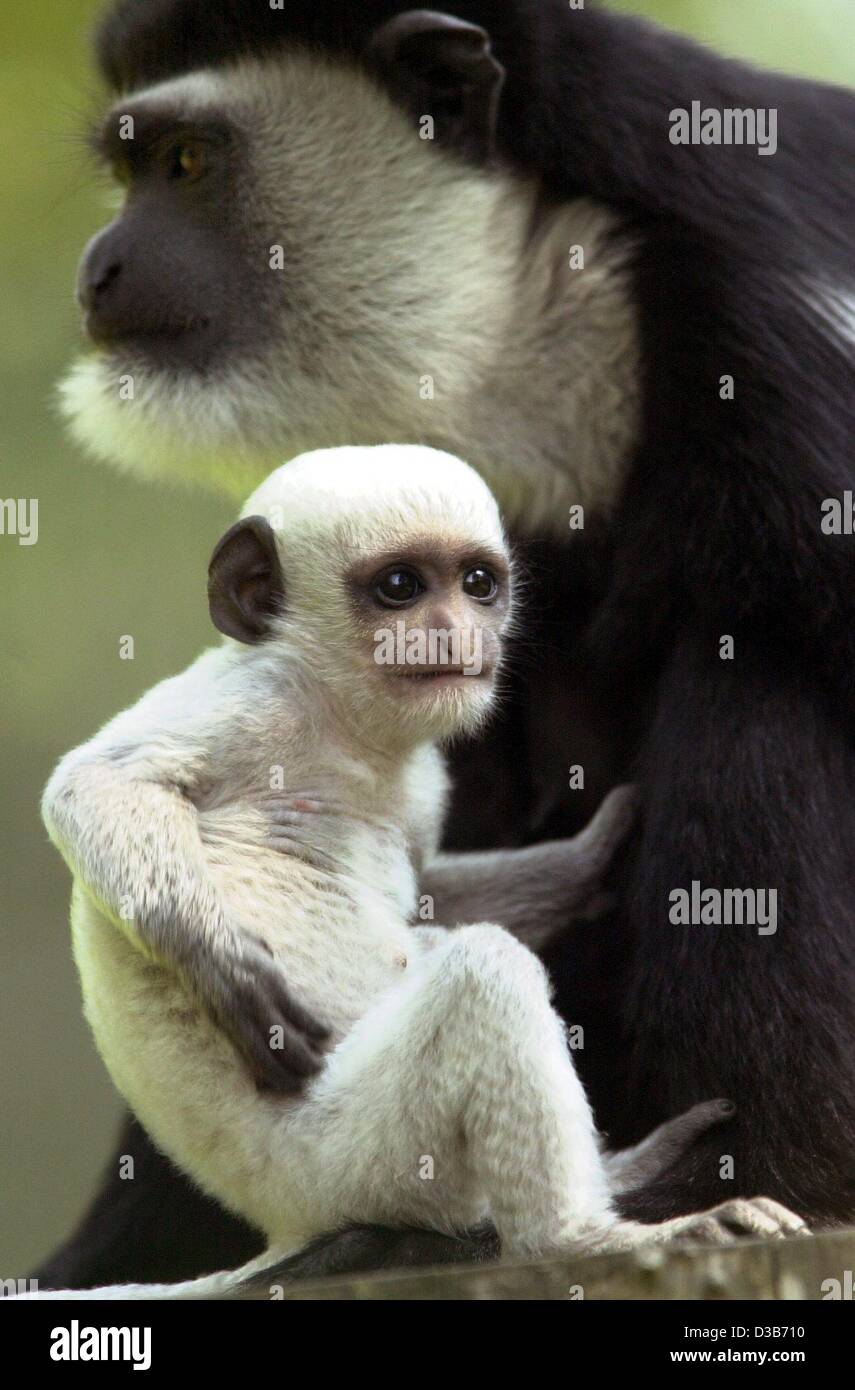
x: 438, y: 673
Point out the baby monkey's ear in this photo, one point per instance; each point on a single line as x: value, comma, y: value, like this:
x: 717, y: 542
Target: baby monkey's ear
x: 245, y: 584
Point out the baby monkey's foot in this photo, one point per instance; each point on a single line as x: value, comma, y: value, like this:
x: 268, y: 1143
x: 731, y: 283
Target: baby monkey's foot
x: 741, y: 1218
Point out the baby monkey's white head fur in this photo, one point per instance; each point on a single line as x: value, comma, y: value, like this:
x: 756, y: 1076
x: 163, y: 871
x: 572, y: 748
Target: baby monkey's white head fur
x: 379, y: 575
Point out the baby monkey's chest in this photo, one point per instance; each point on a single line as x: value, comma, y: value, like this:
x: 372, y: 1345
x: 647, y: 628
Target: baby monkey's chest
x: 332, y: 897
x: 367, y: 857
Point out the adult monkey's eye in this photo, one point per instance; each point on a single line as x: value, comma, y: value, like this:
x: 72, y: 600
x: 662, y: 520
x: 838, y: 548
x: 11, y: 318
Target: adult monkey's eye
x: 189, y: 160
x: 480, y: 584
x: 397, y: 587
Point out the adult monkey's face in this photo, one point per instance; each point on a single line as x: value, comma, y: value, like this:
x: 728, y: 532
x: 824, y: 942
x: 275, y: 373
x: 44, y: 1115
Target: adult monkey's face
x: 293, y: 264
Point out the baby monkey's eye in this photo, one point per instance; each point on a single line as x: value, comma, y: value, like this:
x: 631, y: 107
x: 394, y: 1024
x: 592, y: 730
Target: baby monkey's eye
x: 480, y: 584
x: 397, y: 587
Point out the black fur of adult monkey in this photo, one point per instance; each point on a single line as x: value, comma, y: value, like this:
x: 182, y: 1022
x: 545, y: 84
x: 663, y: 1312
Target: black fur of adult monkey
x: 604, y: 386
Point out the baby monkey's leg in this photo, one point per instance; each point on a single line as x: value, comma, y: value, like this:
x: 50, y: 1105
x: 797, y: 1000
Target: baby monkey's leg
x: 455, y: 1097
x: 465, y: 1066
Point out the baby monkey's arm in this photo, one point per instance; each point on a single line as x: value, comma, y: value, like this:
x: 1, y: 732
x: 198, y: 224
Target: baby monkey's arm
x: 120, y: 812
x: 532, y: 892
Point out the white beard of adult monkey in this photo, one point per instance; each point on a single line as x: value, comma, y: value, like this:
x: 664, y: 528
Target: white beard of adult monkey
x: 356, y: 318
x: 283, y: 796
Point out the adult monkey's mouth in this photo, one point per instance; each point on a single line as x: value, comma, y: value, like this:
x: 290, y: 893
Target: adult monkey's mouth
x: 155, y: 334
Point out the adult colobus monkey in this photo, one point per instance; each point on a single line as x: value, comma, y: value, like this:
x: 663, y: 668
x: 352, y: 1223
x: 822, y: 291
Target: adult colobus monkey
x: 366, y: 595
x: 353, y: 223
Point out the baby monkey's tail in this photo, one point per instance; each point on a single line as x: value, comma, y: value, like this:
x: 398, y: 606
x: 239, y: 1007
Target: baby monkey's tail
x: 631, y: 1168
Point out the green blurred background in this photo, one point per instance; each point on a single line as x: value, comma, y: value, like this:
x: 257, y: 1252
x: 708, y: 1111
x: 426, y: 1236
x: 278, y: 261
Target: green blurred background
x: 113, y: 558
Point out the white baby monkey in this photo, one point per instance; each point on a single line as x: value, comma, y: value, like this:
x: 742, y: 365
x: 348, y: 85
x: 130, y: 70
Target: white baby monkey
x: 273, y: 815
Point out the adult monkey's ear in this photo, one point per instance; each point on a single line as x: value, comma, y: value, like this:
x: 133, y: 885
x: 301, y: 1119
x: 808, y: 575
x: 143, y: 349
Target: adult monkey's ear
x: 245, y: 584
x: 439, y: 66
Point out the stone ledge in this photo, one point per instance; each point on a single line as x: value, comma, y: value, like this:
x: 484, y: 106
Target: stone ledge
x: 794, y: 1269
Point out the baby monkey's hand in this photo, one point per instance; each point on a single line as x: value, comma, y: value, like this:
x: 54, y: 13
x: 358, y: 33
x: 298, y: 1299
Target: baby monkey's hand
x: 538, y: 891
x: 588, y: 856
x: 244, y: 991
x: 569, y: 874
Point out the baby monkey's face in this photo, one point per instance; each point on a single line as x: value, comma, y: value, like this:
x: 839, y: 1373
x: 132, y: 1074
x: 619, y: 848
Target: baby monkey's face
x: 430, y: 619
x: 384, y: 573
